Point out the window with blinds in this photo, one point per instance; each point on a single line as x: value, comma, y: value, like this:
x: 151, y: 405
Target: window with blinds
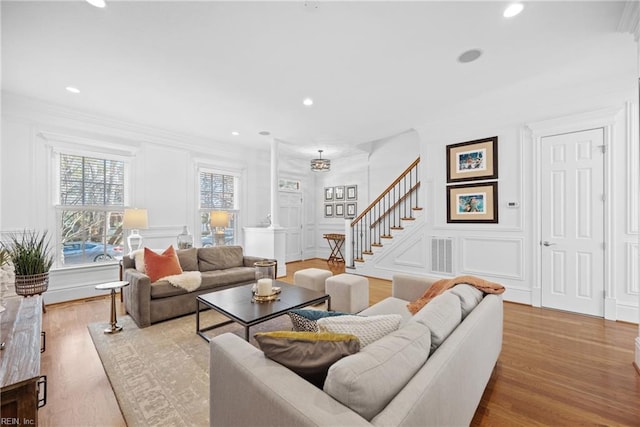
x: 91, y: 206
x: 218, y: 192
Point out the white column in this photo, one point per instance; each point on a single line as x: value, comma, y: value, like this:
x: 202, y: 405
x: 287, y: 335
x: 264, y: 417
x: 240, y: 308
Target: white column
x: 275, y: 208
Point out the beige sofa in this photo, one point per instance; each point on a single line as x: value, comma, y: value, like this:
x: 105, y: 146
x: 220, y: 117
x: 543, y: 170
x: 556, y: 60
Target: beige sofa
x: 221, y: 267
x: 248, y: 389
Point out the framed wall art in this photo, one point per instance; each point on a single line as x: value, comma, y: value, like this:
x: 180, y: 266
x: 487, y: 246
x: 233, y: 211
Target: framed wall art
x: 338, y: 192
x: 339, y: 210
x: 288, y: 185
x: 473, y: 160
x: 473, y: 203
x: 351, y: 210
x: 328, y: 194
x: 352, y: 192
x: 328, y: 210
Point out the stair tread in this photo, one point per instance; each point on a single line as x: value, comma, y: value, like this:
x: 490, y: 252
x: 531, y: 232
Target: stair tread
x: 417, y: 209
x: 397, y: 228
x: 358, y: 260
x: 386, y: 236
x: 377, y: 245
x: 408, y: 219
x: 367, y: 252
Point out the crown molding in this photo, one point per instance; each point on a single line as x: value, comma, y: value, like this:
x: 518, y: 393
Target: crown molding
x: 630, y: 19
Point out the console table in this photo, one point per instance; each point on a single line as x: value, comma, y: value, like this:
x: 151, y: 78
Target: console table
x: 20, y: 379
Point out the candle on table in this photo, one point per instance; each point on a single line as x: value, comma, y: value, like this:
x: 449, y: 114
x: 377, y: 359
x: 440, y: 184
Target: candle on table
x: 264, y: 287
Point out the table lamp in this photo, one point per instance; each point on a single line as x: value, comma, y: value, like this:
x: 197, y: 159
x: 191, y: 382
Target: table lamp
x: 134, y: 220
x: 219, y: 220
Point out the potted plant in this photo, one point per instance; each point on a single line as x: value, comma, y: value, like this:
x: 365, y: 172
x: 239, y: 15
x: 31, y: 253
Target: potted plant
x: 31, y: 257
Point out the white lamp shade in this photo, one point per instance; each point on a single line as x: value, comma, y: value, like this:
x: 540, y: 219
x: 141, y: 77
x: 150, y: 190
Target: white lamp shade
x: 219, y: 219
x: 135, y: 219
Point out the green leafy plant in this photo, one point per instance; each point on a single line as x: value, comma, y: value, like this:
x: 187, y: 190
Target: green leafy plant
x: 30, y: 252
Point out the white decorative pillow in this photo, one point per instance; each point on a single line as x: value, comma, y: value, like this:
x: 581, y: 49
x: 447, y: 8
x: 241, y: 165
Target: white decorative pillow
x: 367, y: 381
x: 138, y: 258
x: 367, y: 328
x: 441, y: 315
x: 470, y: 297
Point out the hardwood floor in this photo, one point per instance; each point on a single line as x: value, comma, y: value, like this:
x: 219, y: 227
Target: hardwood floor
x: 555, y: 368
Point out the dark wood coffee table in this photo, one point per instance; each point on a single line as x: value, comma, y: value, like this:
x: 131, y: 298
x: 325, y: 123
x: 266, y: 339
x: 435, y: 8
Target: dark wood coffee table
x: 236, y: 304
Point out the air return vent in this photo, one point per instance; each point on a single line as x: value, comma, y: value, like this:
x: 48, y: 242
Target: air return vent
x: 442, y: 255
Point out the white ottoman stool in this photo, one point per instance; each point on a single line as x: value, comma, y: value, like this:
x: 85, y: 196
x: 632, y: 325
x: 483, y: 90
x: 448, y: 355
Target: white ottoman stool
x: 311, y: 278
x: 349, y: 292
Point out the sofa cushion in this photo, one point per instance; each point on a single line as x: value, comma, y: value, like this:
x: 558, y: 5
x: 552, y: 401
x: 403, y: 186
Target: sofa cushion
x: 389, y: 305
x: 367, y: 381
x: 188, y: 259
x: 308, y: 354
x: 307, y: 320
x: 470, y: 297
x: 229, y: 276
x: 157, y: 266
x: 442, y: 315
x: 220, y: 258
x: 368, y: 329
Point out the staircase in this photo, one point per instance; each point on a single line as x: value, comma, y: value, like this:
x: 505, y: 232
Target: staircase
x: 390, y: 216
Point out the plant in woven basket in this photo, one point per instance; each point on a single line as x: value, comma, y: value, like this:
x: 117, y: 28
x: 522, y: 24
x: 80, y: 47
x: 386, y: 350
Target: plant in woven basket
x: 31, y: 256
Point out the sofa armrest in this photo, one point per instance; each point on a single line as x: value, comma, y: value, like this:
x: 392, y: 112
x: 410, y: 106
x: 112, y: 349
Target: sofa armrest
x: 137, y: 296
x: 250, y: 260
x: 248, y: 389
x: 410, y: 288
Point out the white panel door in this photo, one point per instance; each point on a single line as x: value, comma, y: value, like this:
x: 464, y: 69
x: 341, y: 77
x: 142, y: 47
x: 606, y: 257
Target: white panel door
x: 572, y: 229
x: 291, y: 221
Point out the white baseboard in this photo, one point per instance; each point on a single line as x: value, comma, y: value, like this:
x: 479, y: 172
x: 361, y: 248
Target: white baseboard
x: 627, y: 313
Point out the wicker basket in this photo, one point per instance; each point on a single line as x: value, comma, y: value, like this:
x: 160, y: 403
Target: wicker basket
x: 32, y: 284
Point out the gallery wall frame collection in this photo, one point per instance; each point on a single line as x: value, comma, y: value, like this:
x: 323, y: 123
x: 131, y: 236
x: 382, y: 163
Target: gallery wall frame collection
x: 340, y: 201
x: 477, y: 201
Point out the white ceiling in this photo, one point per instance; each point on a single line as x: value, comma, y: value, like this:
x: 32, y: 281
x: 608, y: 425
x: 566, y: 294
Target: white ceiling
x: 374, y: 69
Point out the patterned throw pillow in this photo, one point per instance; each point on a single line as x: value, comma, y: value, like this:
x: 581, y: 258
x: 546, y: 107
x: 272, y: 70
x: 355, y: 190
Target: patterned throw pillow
x: 307, y: 320
x: 308, y: 354
x: 162, y: 265
x: 367, y: 328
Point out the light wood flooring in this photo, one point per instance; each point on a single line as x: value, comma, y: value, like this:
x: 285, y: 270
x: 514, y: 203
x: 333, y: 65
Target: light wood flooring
x: 555, y: 368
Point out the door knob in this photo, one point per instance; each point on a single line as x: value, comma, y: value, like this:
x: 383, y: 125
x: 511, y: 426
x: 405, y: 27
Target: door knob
x: 546, y: 243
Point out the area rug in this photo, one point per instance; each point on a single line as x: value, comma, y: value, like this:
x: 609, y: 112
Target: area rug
x: 160, y: 374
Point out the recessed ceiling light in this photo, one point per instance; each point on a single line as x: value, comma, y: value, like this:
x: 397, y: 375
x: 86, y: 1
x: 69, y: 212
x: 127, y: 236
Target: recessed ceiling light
x: 235, y: 133
x: 470, y: 56
x: 264, y: 133
x: 72, y: 89
x: 308, y: 102
x: 97, y: 3
x: 512, y: 10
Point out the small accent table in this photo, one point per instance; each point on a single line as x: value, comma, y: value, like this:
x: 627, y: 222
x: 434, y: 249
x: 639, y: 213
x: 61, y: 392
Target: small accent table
x: 112, y: 286
x: 335, y: 244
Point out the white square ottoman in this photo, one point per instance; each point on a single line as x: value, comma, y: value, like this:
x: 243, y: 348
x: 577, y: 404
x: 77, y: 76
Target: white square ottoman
x: 349, y: 292
x: 311, y: 278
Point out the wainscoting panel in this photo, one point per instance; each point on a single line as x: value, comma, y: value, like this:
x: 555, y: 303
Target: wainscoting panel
x: 632, y: 285
x: 498, y: 257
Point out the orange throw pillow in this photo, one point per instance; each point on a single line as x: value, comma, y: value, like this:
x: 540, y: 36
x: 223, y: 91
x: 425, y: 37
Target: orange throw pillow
x: 162, y: 265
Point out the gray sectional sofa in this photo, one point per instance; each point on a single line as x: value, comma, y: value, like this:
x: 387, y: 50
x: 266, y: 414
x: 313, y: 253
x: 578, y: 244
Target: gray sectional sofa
x: 221, y: 267
x: 387, y: 383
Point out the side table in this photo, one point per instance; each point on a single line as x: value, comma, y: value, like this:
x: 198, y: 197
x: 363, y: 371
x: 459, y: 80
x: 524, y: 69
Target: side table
x: 112, y: 286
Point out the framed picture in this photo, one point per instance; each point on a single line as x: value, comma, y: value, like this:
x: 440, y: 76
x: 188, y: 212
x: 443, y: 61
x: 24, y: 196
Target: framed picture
x: 352, y: 192
x: 328, y: 210
x: 473, y: 160
x: 473, y: 203
x: 351, y: 210
x: 328, y: 194
x: 339, y: 192
x: 339, y: 209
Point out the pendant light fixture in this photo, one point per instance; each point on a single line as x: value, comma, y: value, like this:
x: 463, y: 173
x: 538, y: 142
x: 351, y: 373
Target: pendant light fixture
x: 320, y: 164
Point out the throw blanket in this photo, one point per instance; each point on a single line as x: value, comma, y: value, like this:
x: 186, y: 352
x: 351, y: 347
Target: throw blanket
x: 188, y: 280
x: 442, y: 285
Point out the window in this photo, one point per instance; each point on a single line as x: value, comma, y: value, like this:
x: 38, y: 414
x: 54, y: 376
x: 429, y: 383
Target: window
x: 218, y: 192
x: 90, y: 209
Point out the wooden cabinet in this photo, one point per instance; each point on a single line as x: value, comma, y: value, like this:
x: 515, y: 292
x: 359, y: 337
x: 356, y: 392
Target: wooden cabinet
x: 20, y: 331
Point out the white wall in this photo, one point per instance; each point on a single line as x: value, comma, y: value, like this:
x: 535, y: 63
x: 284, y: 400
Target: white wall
x: 389, y: 158
x: 164, y: 178
x: 505, y: 252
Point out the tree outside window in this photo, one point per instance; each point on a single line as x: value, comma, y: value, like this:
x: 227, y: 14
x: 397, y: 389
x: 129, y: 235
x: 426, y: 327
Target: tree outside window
x: 90, y: 209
